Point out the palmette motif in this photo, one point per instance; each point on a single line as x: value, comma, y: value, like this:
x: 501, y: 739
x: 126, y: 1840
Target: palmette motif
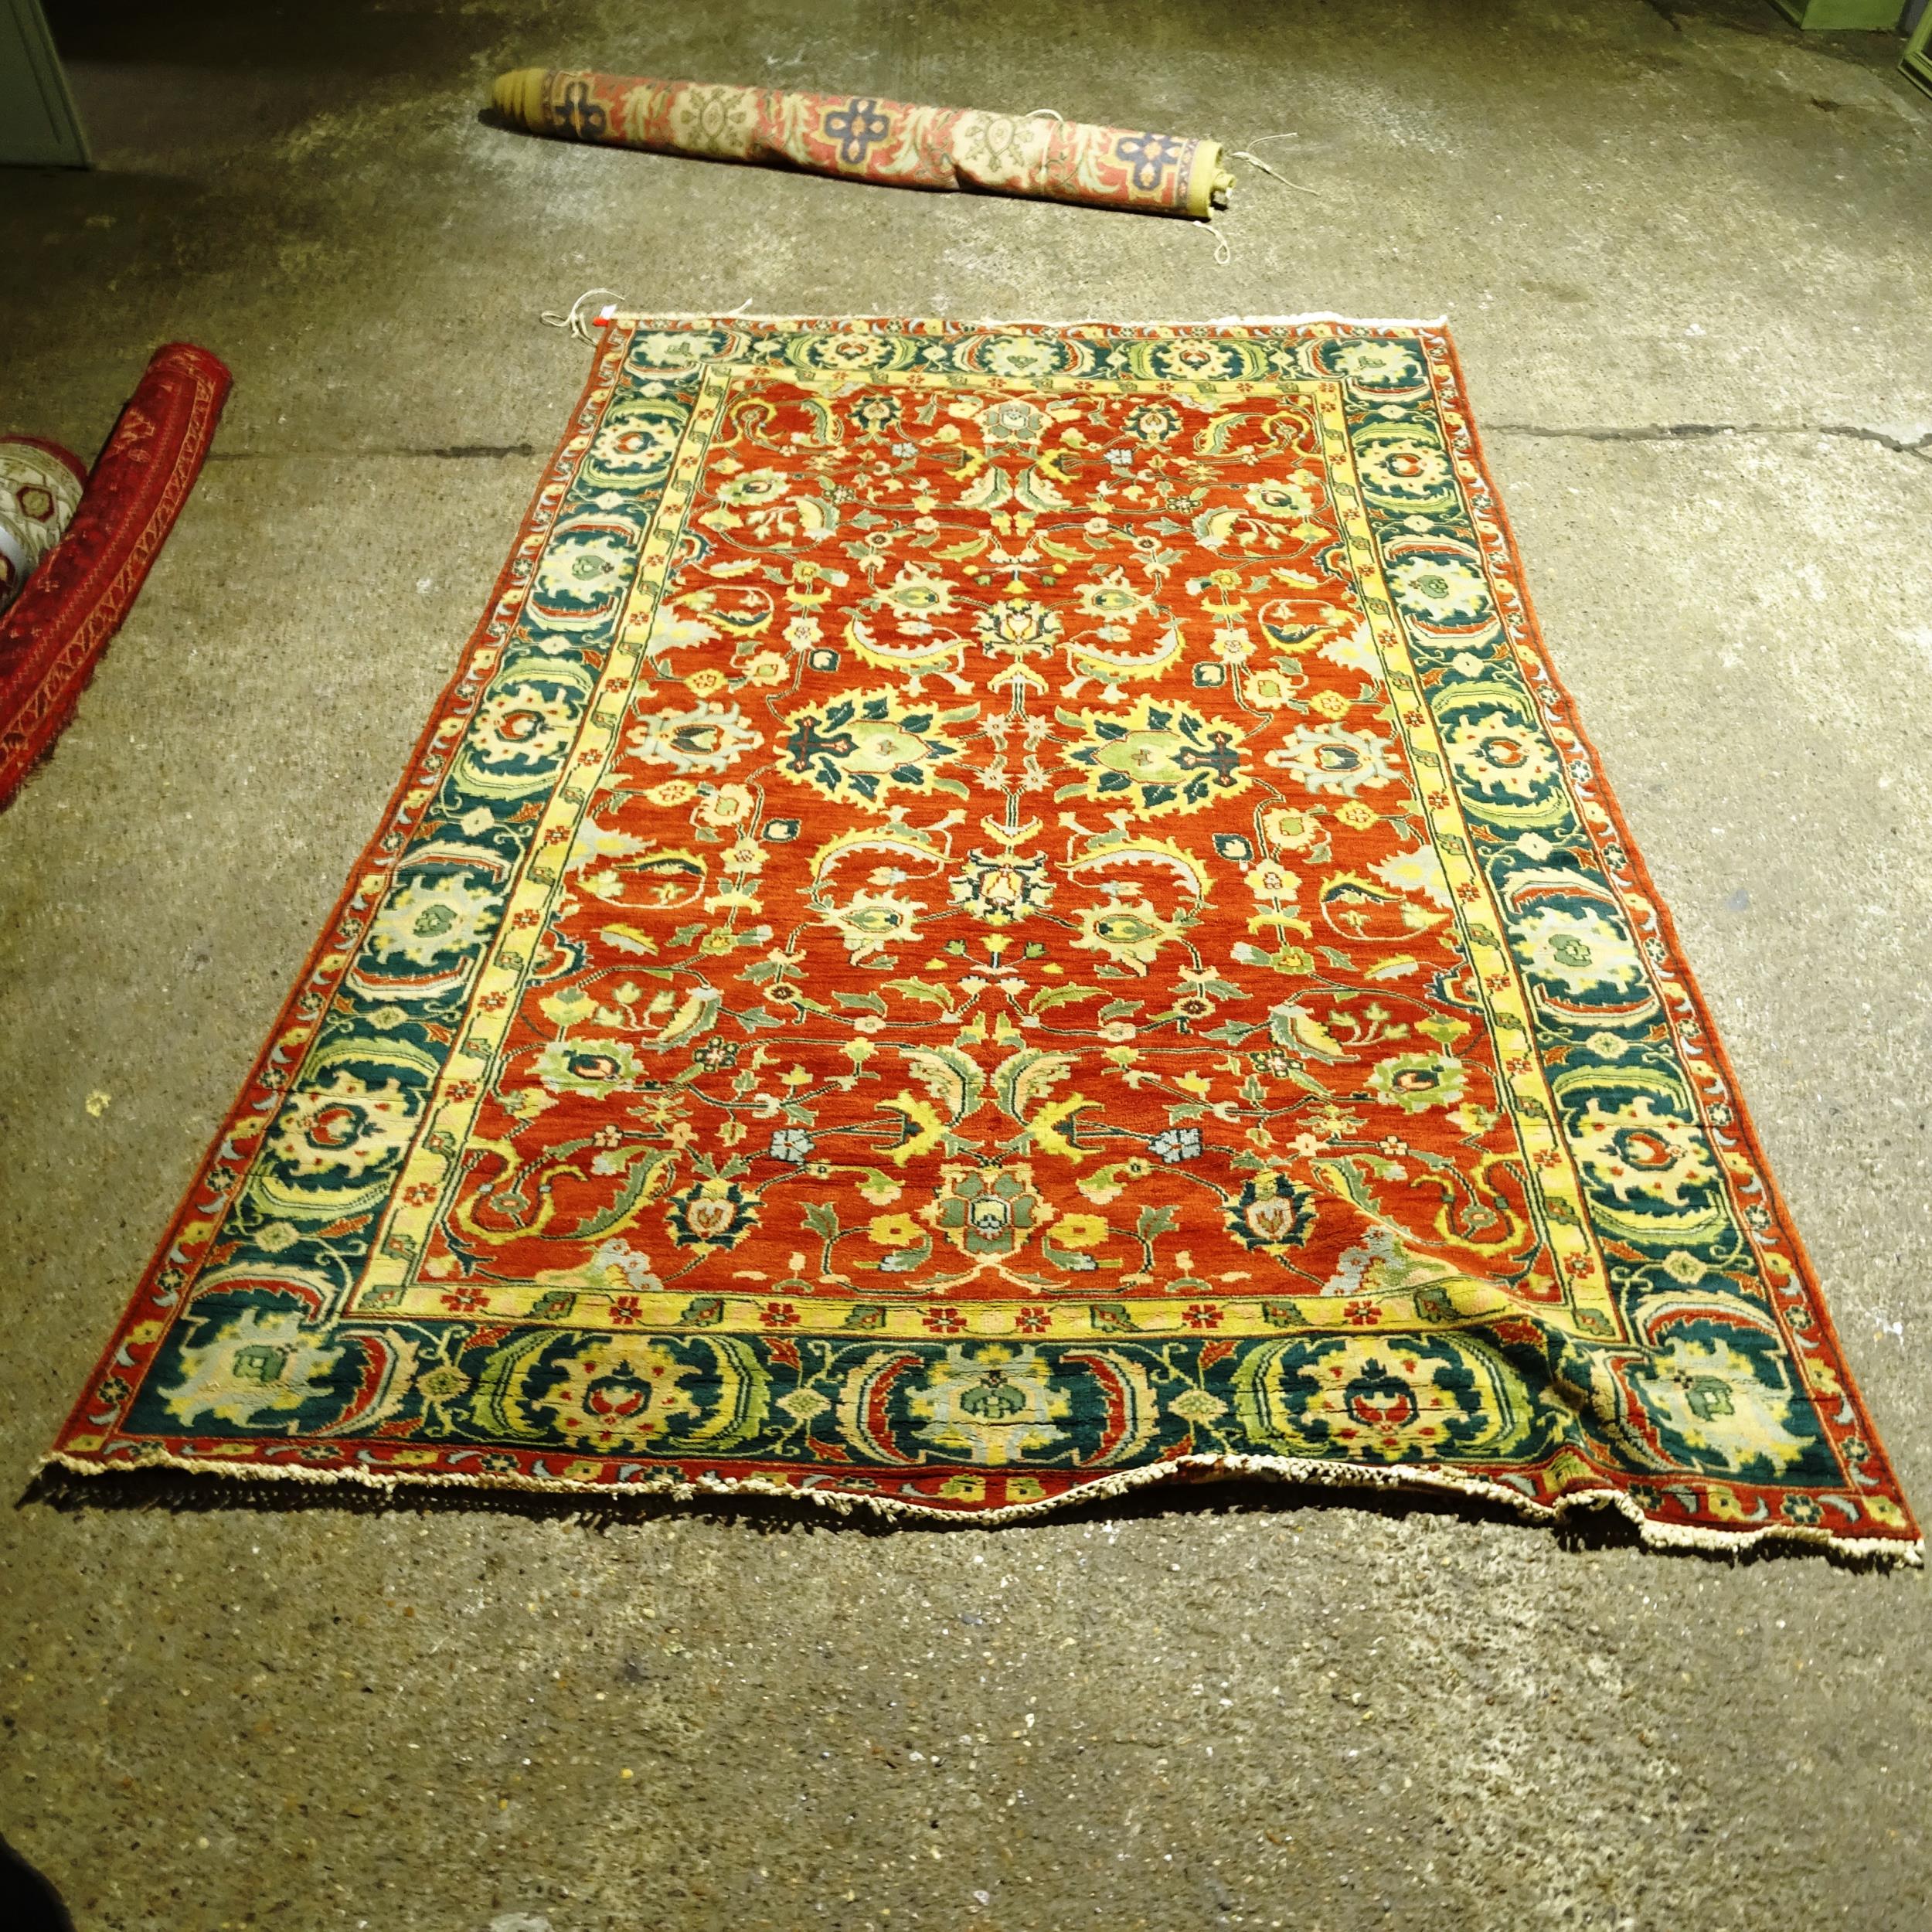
x: 995, y: 911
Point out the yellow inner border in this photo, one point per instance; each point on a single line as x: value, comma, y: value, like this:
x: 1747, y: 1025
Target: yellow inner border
x: 1521, y: 1084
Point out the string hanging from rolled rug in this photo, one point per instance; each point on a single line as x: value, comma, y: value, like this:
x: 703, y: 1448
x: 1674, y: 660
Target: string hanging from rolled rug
x: 895, y: 143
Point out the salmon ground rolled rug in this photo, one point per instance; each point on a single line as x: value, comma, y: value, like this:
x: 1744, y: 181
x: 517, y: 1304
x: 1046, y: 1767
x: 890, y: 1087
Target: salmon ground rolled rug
x: 53, y: 634
x: 995, y: 913
x: 894, y: 143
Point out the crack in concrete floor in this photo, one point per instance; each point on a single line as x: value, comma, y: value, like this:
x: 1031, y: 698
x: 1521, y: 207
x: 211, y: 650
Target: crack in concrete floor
x: 1641, y: 433
x: 1689, y: 432
x: 454, y: 452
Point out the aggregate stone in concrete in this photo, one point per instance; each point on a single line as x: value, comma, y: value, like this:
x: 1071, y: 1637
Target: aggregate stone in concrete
x: 1684, y: 252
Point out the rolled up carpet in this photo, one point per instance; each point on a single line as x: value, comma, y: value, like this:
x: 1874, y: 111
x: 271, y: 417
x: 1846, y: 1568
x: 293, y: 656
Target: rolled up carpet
x: 56, y: 629
x: 863, y: 138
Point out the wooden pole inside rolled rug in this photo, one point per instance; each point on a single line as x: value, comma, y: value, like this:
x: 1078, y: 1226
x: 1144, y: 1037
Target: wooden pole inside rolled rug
x: 894, y: 143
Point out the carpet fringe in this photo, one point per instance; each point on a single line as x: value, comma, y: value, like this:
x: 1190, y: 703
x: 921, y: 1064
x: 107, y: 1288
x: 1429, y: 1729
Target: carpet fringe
x: 572, y: 320
x: 1037, y: 322
x: 1317, y: 1473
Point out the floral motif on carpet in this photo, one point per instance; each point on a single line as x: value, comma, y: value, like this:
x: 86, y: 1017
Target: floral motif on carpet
x: 994, y: 913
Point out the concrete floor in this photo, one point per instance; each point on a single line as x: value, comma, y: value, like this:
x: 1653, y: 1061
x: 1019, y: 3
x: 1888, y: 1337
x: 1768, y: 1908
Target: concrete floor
x: 1686, y: 253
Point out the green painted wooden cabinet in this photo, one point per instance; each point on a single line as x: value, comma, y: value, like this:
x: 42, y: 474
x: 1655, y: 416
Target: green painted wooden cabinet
x: 39, y: 126
x: 1917, y: 63
x: 1883, y: 15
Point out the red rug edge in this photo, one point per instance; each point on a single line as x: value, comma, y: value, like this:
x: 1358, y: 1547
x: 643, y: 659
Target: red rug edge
x: 53, y: 637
